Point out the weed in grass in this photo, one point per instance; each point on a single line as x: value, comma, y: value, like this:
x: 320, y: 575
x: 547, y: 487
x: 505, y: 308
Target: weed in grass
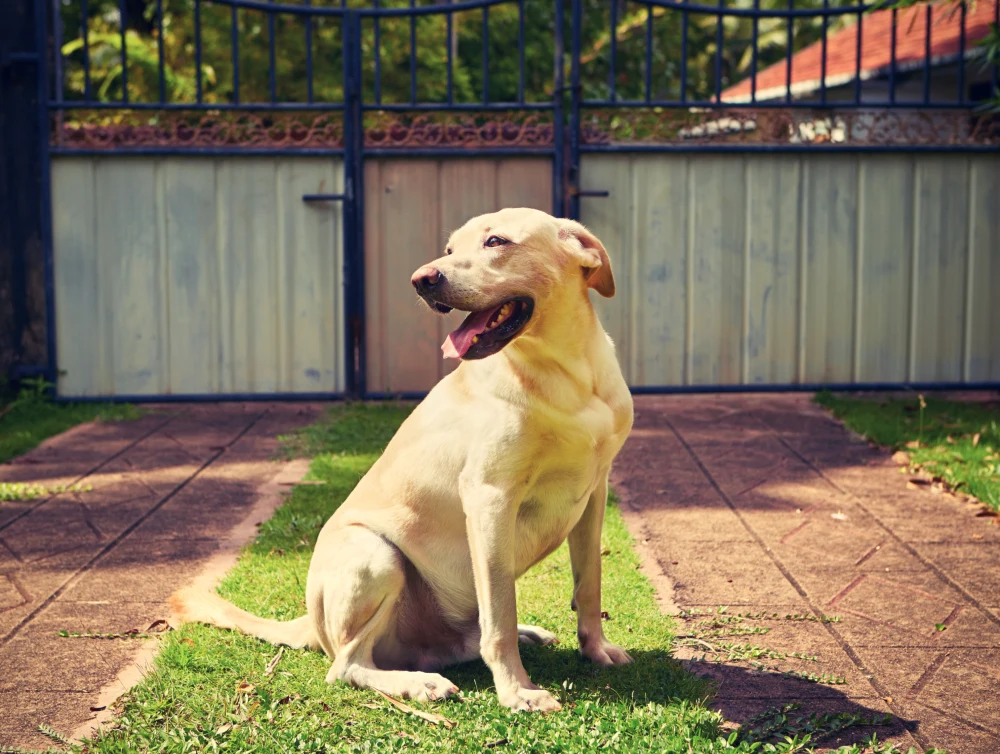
x: 31, y: 418
x: 17, y: 491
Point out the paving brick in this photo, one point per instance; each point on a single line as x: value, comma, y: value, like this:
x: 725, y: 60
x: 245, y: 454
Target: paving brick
x: 886, y: 563
x: 52, y: 579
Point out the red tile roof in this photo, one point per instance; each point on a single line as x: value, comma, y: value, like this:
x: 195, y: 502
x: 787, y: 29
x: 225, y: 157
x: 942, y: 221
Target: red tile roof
x: 876, y: 55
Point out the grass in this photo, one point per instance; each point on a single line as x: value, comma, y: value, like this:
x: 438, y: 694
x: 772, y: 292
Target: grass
x: 210, y: 689
x: 31, y: 418
x: 955, y: 442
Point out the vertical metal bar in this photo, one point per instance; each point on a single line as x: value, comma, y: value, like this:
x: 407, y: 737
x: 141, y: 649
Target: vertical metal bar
x: 756, y: 48
x: 45, y: 198
x: 857, y: 61
x: 58, y: 76
x: 612, y: 84
x: 235, y: 52
x: 378, y: 57
x: 961, y: 53
x: 649, y: 53
x: 559, y: 128
x: 996, y: 65
x: 927, y: 54
x: 272, y: 84
x: 574, y: 127
x: 789, y: 52
x: 451, y: 52
x: 309, y: 55
x: 85, y: 31
x: 486, y: 54
x: 122, y: 22
x: 353, y: 212
x: 892, y: 57
x: 684, y: 54
x: 718, y: 53
x: 197, y: 51
x: 159, y: 50
x: 413, y: 55
x: 520, y: 51
x: 822, y: 65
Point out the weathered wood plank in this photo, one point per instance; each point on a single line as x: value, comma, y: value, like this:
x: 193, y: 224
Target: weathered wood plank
x: 830, y: 258
x: 982, y: 352
x: 940, y: 253
x: 774, y: 203
x: 131, y: 298
x: 81, y: 344
x: 718, y: 192
x: 885, y: 258
x: 193, y: 275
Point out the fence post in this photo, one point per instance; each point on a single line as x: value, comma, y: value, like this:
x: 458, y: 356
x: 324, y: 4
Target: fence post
x: 27, y: 343
x: 354, y: 215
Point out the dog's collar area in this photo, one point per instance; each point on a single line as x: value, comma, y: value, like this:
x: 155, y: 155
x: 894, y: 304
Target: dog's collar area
x: 486, y: 332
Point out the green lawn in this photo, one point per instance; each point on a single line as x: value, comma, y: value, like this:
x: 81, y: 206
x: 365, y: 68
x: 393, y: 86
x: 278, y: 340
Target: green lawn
x: 954, y: 441
x: 209, y: 690
x: 31, y: 418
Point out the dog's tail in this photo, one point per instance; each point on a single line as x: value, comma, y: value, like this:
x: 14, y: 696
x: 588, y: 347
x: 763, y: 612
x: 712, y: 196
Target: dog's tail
x: 193, y: 605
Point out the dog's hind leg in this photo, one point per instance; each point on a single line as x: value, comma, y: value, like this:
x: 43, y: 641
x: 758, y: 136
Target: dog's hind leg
x: 353, y: 596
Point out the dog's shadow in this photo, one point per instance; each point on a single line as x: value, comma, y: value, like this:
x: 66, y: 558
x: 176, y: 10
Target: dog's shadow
x: 741, y: 694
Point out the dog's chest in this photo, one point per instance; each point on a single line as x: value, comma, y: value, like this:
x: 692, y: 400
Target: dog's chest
x: 571, y: 459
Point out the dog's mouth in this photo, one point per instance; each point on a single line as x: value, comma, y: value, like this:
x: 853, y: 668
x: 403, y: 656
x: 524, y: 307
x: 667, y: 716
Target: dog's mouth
x: 485, y: 332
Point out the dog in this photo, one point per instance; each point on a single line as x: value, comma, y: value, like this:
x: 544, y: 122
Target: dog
x: 505, y: 459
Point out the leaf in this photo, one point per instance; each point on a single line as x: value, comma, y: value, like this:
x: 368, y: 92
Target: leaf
x: 495, y: 744
x: 431, y: 717
x: 245, y: 688
x: 940, y: 626
x: 274, y: 662
x: 975, y: 439
x: 224, y: 728
x: 901, y: 457
x: 913, y: 444
x: 838, y: 516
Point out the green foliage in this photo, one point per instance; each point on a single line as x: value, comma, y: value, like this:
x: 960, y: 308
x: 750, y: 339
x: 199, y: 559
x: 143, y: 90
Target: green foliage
x: 32, y: 417
x: 254, y: 31
x: 957, y: 442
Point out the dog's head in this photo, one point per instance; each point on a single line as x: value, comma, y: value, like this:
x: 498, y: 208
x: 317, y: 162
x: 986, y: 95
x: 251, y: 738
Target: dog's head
x: 506, y: 268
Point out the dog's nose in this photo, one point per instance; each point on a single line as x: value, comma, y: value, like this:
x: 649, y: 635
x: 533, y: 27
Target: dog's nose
x: 426, y: 279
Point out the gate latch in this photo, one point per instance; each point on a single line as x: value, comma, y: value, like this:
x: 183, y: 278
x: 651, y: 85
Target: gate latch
x: 324, y: 197
x: 574, y: 191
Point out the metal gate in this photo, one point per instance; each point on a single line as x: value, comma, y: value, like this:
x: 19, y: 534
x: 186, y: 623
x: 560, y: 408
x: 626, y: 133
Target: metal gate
x: 705, y: 161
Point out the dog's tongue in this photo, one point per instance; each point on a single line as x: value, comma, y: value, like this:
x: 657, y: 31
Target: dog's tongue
x: 460, y: 341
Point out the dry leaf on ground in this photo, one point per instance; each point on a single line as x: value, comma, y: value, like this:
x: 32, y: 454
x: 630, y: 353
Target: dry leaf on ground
x: 274, y: 662
x: 430, y: 717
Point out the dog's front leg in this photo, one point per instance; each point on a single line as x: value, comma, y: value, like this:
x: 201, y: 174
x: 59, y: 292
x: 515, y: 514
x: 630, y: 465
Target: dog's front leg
x: 490, y: 519
x: 585, y: 557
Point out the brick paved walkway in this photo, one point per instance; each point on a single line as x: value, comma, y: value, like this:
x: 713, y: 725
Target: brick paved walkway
x: 167, y: 490
x: 765, y: 503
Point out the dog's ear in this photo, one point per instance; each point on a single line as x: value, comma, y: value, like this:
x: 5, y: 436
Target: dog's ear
x: 585, y: 247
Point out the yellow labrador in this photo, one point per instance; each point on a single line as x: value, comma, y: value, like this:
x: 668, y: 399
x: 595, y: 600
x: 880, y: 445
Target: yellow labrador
x: 505, y: 458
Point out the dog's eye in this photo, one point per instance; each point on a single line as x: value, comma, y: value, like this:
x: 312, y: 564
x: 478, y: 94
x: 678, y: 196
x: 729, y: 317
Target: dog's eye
x: 447, y: 251
x: 494, y: 241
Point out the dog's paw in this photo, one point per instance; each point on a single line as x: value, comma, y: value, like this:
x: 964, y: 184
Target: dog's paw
x: 530, y: 700
x: 535, y: 635
x: 606, y: 654
x: 426, y: 687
